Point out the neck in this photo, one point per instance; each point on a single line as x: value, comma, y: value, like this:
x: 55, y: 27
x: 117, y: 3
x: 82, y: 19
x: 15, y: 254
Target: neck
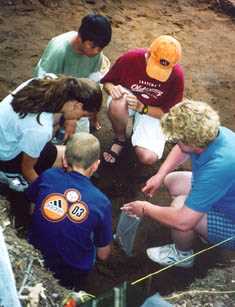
x: 199, y: 150
x: 87, y: 173
x: 76, y: 44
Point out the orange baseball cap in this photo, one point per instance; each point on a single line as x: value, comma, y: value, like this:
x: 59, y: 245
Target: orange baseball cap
x: 165, y: 52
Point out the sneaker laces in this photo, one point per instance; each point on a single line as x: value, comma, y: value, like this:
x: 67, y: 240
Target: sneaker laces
x: 173, y: 253
x: 169, y: 251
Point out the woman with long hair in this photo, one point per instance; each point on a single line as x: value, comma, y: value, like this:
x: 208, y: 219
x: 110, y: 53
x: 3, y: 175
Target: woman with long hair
x: 30, y: 116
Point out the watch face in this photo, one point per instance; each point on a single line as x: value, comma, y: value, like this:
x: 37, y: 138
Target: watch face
x: 145, y: 110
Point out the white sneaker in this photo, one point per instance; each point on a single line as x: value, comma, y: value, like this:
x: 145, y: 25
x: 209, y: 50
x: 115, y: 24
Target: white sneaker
x: 14, y: 181
x: 168, y: 255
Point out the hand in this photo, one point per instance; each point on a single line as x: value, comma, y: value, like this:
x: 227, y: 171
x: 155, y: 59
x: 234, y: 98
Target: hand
x: 95, y: 124
x: 117, y: 91
x: 135, y: 208
x: 152, y: 185
x: 133, y: 103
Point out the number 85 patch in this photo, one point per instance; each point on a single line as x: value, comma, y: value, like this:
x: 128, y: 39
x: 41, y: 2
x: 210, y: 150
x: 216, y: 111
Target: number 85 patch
x: 78, y: 212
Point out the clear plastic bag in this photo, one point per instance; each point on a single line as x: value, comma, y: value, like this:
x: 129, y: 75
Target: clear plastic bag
x: 126, y: 232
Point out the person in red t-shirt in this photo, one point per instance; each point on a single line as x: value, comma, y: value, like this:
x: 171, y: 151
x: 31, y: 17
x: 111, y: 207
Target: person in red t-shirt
x: 145, y: 84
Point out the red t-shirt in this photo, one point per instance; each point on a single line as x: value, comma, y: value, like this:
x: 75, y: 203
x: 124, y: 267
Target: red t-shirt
x: 130, y: 71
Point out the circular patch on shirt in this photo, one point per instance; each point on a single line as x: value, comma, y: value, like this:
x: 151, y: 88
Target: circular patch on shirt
x: 54, y: 207
x: 78, y: 212
x: 72, y: 195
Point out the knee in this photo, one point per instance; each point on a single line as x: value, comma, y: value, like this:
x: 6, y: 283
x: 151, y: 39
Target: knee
x: 178, y: 183
x: 146, y: 157
x: 168, y: 180
x: 117, y: 107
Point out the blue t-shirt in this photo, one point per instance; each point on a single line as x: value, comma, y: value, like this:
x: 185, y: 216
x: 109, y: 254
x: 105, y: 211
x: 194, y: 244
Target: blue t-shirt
x: 213, y: 183
x: 71, y: 218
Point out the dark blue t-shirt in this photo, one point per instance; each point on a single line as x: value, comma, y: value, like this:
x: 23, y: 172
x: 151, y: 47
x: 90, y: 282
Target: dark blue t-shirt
x: 213, y: 182
x: 71, y: 218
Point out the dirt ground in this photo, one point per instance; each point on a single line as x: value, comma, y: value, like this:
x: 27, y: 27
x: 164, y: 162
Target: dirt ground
x: 207, y: 36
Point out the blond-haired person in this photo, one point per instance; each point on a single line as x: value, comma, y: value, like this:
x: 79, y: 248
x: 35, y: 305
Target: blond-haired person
x: 203, y: 200
x: 72, y: 221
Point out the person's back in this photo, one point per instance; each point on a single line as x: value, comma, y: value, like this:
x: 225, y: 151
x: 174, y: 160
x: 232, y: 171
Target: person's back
x: 72, y: 218
x: 15, y: 131
x: 215, y: 168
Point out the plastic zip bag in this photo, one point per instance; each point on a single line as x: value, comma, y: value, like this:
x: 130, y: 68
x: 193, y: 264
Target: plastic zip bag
x: 126, y: 232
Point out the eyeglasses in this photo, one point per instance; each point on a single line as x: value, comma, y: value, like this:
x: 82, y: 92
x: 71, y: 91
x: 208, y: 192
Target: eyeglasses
x: 164, y: 62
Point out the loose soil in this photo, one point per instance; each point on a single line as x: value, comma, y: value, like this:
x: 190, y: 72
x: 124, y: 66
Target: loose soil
x: 208, y: 40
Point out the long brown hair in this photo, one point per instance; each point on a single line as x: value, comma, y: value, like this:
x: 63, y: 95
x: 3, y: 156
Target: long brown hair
x: 49, y: 95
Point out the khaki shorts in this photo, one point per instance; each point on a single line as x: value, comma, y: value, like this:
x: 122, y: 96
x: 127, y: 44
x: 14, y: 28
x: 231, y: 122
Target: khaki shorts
x: 147, y: 132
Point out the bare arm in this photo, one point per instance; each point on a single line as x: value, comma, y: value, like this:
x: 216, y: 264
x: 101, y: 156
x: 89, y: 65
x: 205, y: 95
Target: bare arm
x: 104, y: 252
x: 183, y: 218
x: 136, y: 105
x: 108, y: 87
x: 155, y: 112
x: 175, y: 158
x: 27, y: 167
x: 116, y: 91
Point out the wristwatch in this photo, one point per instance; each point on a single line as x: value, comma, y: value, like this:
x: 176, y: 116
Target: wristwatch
x: 145, y: 109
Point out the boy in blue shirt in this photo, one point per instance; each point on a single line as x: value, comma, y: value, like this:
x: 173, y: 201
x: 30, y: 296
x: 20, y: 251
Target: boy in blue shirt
x: 72, y: 222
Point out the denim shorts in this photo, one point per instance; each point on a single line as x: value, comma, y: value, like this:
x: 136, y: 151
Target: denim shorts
x: 220, y: 228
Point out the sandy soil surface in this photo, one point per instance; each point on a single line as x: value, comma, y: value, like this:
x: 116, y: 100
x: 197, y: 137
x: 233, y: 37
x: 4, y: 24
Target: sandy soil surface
x: 208, y: 40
